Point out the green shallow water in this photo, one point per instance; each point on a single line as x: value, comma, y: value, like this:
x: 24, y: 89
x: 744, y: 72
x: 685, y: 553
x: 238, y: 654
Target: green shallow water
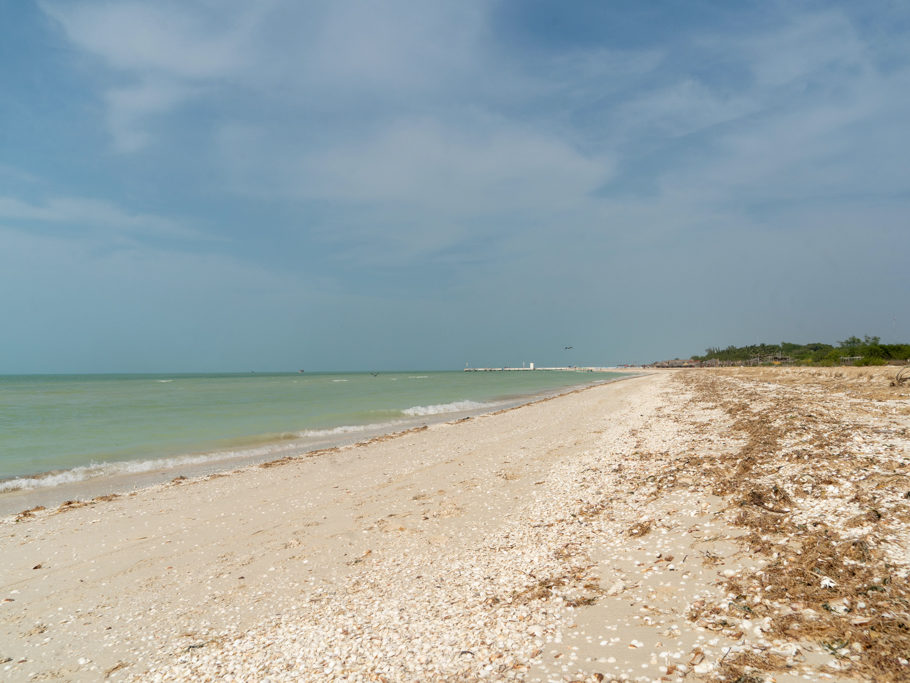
x: 54, y: 423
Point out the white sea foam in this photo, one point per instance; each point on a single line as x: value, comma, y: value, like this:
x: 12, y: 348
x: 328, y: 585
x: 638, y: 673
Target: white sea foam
x: 340, y: 380
x: 348, y: 429
x: 418, y: 376
x: 288, y: 442
x: 164, y: 381
x: 440, y: 408
x: 89, y: 472
x: 108, y: 469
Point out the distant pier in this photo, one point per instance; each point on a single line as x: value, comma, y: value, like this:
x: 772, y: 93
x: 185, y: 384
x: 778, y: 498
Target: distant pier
x: 533, y: 369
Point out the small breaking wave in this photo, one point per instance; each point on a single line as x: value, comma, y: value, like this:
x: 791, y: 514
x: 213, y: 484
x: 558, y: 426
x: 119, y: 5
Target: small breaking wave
x: 347, y: 429
x: 244, y: 450
x: 440, y: 408
x: 109, y: 469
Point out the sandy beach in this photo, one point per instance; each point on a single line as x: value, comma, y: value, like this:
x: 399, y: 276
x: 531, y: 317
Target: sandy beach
x: 735, y: 524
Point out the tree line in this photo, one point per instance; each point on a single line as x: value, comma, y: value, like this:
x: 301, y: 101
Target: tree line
x: 866, y: 351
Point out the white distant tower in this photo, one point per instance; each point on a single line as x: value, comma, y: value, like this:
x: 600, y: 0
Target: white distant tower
x: 531, y: 365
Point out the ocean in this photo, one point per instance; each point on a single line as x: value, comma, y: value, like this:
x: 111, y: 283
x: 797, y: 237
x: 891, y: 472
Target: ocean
x: 61, y: 429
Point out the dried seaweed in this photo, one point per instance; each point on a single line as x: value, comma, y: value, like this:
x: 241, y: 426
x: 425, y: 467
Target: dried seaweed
x: 817, y: 584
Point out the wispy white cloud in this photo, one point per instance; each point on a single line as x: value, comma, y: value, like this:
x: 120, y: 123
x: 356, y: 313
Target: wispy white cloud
x: 684, y: 107
x: 92, y: 214
x: 419, y: 186
x: 400, y: 46
x: 465, y: 170
x: 806, y: 115
x: 131, y: 108
x: 812, y: 60
x: 186, y: 40
x: 167, y: 51
x: 809, y: 44
x: 18, y: 174
x: 545, y: 133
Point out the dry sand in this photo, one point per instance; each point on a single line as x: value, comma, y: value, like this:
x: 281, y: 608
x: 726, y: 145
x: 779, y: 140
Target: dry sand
x: 698, y: 525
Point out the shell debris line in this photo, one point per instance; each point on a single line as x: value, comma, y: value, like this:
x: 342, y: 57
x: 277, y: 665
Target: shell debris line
x: 734, y: 524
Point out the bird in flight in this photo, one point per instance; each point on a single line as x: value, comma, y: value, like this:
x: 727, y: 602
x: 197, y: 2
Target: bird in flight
x: 569, y: 347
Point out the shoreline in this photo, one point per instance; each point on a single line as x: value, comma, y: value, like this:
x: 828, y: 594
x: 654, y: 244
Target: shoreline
x: 629, y: 531
x: 117, y: 477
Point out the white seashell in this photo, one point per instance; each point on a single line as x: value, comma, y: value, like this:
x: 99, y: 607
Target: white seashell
x: 617, y: 588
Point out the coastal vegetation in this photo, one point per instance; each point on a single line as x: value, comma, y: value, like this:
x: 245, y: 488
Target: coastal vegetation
x: 852, y: 350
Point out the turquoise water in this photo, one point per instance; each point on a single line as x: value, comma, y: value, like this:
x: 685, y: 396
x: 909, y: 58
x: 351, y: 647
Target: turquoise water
x: 86, y: 425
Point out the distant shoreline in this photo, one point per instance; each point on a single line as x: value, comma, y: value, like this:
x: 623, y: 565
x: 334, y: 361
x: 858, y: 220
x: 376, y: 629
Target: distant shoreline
x: 564, y: 368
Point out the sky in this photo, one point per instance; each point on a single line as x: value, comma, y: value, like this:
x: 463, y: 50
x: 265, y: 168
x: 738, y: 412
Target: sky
x: 192, y: 185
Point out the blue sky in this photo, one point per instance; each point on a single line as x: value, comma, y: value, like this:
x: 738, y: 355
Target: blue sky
x: 361, y: 185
